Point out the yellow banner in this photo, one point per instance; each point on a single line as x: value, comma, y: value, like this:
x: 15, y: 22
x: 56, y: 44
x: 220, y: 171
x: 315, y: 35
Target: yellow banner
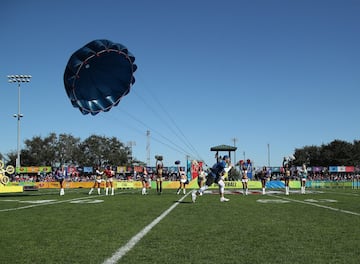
x: 11, y: 189
x: 56, y: 185
x: 120, y: 169
x: 33, y: 169
x: 138, y: 184
x: 125, y: 185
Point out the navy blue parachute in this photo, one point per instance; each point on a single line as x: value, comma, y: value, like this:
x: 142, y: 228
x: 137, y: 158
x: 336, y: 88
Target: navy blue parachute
x: 98, y: 75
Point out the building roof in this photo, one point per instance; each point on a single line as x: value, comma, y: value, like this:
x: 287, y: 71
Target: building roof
x: 223, y: 148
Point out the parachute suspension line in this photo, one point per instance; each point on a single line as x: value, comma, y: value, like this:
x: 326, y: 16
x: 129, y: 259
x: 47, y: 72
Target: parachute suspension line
x: 141, y: 132
x: 187, y: 142
x: 158, y: 115
x: 183, y: 139
x: 179, y: 148
x: 170, y: 146
x: 114, y: 118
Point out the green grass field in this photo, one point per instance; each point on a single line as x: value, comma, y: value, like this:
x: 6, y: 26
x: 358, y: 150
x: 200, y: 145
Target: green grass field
x: 322, y: 226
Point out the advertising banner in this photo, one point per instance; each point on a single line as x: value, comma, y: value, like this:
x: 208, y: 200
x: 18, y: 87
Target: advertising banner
x: 349, y: 168
x: 188, y: 169
x: 120, y: 169
x: 333, y: 169
x: 10, y: 189
x: 34, y: 169
x: 88, y: 169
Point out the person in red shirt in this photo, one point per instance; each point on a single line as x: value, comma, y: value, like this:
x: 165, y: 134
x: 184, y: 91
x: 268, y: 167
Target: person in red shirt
x: 109, y: 175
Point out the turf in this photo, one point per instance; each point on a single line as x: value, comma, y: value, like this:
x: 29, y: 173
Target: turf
x: 43, y: 227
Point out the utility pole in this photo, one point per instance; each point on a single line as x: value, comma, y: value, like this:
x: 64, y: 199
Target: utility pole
x: 148, y: 147
x: 130, y: 154
x: 234, y: 141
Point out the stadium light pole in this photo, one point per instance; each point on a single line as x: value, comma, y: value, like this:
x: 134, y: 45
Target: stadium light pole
x: 130, y: 145
x: 18, y: 79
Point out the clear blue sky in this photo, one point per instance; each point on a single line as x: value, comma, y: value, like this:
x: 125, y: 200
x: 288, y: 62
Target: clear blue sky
x: 283, y: 72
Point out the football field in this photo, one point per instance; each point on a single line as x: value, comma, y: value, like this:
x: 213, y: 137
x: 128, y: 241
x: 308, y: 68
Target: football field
x: 322, y: 226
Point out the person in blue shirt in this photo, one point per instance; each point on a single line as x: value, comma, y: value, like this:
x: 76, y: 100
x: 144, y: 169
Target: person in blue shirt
x: 215, y: 175
x: 60, y: 177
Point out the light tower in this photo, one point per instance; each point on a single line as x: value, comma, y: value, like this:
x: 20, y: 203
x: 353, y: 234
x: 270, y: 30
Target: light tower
x: 18, y: 79
x: 130, y: 145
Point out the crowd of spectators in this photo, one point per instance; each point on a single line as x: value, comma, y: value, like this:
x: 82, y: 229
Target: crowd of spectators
x: 333, y: 177
x: 317, y: 176
x: 76, y: 177
x: 50, y: 177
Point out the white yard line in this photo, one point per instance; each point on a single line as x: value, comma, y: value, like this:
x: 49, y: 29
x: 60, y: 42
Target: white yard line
x: 48, y: 203
x: 341, y: 193
x: 318, y: 205
x: 135, y: 239
x: 52, y: 202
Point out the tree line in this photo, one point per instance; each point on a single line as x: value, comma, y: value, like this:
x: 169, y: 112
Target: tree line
x: 55, y: 150
x: 96, y: 150
x: 335, y: 153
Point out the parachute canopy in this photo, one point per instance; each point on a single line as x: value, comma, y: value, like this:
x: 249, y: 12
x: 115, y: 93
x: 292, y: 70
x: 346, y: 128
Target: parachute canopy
x: 98, y: 75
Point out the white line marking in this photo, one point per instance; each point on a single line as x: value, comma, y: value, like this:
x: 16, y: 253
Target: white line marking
x: 55, y: 202
x: 341, y: 193
x: 135, y: 239
x: 319, y: 205
x: 47, y: 203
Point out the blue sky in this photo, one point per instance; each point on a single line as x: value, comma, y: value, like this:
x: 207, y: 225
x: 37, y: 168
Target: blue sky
x: 283, y: 73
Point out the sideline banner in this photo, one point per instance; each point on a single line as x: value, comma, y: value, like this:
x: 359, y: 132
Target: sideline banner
x: 11, y: 189
x: 34, y: 169
x: 166, y: 184
x: 335, y: 169
x: 329, y: 184
x: 126, y: 185
x: 56, y: 185
x: 19, y: 186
